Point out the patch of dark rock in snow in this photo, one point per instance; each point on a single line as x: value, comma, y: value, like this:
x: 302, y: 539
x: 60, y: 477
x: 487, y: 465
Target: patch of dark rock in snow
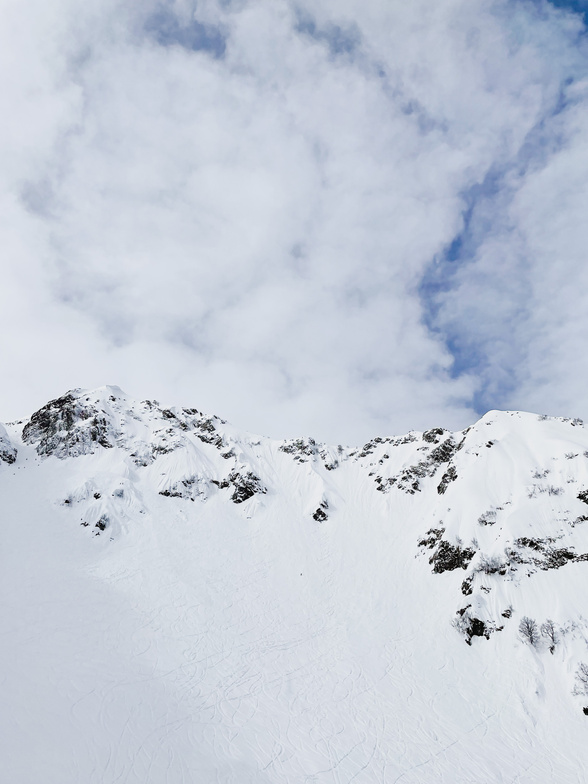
x: 102, y: 523
x: 448, y: 557
x: 8, y: 452
x: 433, y: 436
x: 583, y: 496
x: 189, y: 488
x: 540, y: 553
x: 432, y: 537
x: 320, y: 515
x: 205, y: 430
x: 578, y: 520
x: 444, y: 452
x: 245, y: 486
x: 300, y: 448
x: 471, y: 626
x: 487, y: 518
x: 449, y: 476
x: 409, y: 479
x: 466, y: 586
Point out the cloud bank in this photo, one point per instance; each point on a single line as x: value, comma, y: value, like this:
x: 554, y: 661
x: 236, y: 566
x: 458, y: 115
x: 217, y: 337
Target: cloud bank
x: 337, y: 219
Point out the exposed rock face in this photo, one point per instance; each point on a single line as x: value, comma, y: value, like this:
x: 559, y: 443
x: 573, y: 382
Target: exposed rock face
x: 448, y: 557
x: 449, y: 476
x: 435, y: 455
x: 68, y: 427
x: 245, y: 485
x: 8, y: 452
x: 320, y: 513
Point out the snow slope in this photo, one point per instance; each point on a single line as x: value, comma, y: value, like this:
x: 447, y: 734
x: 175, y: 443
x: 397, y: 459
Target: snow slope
x: 184, y: 602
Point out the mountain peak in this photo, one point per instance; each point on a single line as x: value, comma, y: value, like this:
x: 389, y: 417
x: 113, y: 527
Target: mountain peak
x: 221, y: 578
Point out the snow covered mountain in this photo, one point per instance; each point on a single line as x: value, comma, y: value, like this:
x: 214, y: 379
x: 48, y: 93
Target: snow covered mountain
x: 184, y: 602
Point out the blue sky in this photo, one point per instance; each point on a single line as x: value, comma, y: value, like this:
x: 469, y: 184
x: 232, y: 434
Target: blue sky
x: 576, y: 6
x: 164, y: 26
x: 308, y: 218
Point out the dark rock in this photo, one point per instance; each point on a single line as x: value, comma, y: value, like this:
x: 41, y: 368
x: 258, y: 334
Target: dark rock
x: 476, y: 628
x: 409, y: 479
x: 491, y: 564
x: 246, y: 486
x: 320, y: 515
x: 215, y: 439
x: 384, y: 485
x: 470, y: 626
x: 488, y: 518
x: 449, y: 476
x: 581, y: 519
x: 7, y: 453
x: 583, y: 496
x: 544, y: 556
x: 444, y: 452
x: 448, y: 557
x: 432, y: 537
x: 534, y: 544
x: 300, y: 446
x: 466, y: 586
x: 554, y: 559
x: 433, y: 436
x: 66, y: 427
x: 222, y: 483
x: 173, y: 493
x: 367, y: 449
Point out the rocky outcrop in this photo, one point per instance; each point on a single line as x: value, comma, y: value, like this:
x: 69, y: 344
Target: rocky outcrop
x: 68, y: 427
x: 8, y: 452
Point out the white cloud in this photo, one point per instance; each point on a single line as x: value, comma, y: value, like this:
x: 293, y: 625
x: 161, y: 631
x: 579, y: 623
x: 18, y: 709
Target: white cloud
x: 248, y: 233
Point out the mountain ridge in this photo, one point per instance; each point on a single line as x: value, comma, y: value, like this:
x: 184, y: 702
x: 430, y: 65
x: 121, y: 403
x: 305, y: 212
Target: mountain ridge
x: 342, y: 555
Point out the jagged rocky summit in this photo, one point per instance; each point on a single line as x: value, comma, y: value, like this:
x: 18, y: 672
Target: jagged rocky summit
x: 479, y: 535
x: 476, y: 526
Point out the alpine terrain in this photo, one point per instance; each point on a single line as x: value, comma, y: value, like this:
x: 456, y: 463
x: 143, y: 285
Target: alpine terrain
x: 187, y: 603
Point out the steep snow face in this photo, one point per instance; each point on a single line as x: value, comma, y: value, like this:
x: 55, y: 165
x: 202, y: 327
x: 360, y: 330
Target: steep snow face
x: 186, y: 602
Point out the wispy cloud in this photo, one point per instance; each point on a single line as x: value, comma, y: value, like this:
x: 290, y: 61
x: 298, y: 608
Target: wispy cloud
x: 343, y: 221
